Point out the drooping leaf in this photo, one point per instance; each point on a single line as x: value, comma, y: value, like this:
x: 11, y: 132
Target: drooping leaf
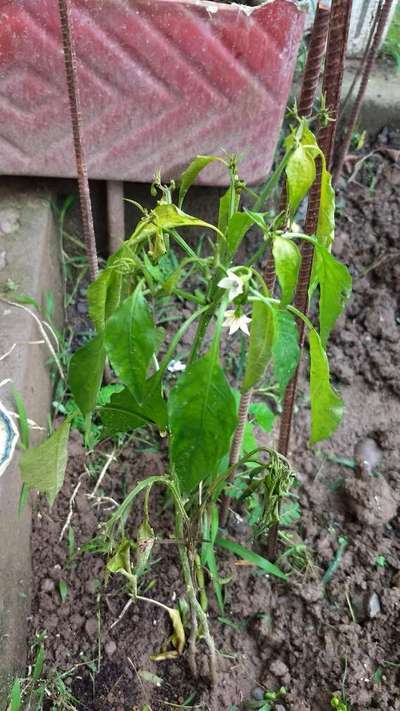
x: 189, y: 175
x: 86, y: 373
x: 43, y: 467
x: 131, y: 339
x: 251, y: 557
x: 285, y: 347
x: 123, y: 413
x: 103, y: 296
x: 300, y: 175
x: 202, y: 419
x: 287, y: 265
x: 264, y: 417
x: 326, y: 405
x: 335, y: 287
x: 170, y: 216
x: 238, y: 225
x: 260, y: 344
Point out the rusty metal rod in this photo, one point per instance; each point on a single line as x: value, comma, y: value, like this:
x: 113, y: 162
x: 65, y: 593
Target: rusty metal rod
x: 332, y: 82
x: 76, y: 120
x: 308, y: 91
x: 378, y: 28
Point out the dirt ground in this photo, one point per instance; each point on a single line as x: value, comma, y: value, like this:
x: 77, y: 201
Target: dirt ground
x: 313, y: 638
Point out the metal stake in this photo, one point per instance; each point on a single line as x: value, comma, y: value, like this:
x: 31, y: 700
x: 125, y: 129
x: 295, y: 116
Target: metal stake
x: 332, y: 82
x: 76, y: 120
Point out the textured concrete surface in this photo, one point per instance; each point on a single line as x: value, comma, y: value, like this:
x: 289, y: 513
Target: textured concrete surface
x: 29, y: 259
x: 381, y: 106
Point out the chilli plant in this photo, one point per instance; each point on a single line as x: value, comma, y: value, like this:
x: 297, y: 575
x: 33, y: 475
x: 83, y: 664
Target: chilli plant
x: 197, y: 410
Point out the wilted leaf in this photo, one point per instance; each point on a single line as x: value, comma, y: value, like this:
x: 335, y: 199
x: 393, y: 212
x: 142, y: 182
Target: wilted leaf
x: 202, y: 419
x: 326, y: 406
x: 86, y: 373
x: 43, y: 467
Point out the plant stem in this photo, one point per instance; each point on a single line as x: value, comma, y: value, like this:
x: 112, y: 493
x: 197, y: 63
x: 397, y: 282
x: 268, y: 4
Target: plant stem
x: 196, y: 610
x: 236, y: 449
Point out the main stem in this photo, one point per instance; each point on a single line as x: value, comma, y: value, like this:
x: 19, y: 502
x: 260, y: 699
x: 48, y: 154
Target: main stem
x: 196, y: 611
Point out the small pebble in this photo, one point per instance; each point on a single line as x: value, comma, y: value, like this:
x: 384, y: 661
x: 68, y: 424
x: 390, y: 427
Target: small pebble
x: 9, y: 221
x: 367, y: 455
x: 3, y: 260
x: 110, y: 647
x: 396, y: 580
x: 279, y: 707
x: 374, y: 606
x: 279, y: 668
x: 48, y: 585
x: 258, y: 694
x: 91, y: 626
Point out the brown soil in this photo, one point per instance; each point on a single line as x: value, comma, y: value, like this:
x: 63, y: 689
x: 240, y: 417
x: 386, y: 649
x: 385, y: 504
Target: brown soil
x: 312, y: 638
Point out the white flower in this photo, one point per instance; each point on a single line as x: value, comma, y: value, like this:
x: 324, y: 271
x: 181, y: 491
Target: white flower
x: 233, y: 283
x: 236, y: 322
x: 176, y: 366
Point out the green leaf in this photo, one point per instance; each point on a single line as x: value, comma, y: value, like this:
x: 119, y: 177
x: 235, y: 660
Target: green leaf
x: 285, y: 347
x: 238, y: 225
x: 326, y: 216
x: 103, y: 296
x: 22, y: 417
x: 326, y: 405
x: 335, y: 287
x: 260, y: 344
x: 287, y: 265
x: 38, y: 666
x: 251, y: 557
x: 131, y: 340
x: 63, y: 590
x: 210, y: 530
x: 300, y: 175
x: 43, y: 467
x: 86, y: 373
x: 228, y: 204
x: 202, y: 418
x: 190, y: 174
x: 264, y: 417
x: 15, y: 697
x: 122, y: 414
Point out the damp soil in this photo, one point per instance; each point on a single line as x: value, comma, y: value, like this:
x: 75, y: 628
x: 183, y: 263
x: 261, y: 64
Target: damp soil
x: 312, y: 637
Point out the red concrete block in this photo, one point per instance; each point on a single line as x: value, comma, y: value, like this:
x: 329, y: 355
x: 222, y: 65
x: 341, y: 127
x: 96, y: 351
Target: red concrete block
x: 161, y: 81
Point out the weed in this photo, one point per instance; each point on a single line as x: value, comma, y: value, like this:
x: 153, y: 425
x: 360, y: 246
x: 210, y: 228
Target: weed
x: 39, y: 689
